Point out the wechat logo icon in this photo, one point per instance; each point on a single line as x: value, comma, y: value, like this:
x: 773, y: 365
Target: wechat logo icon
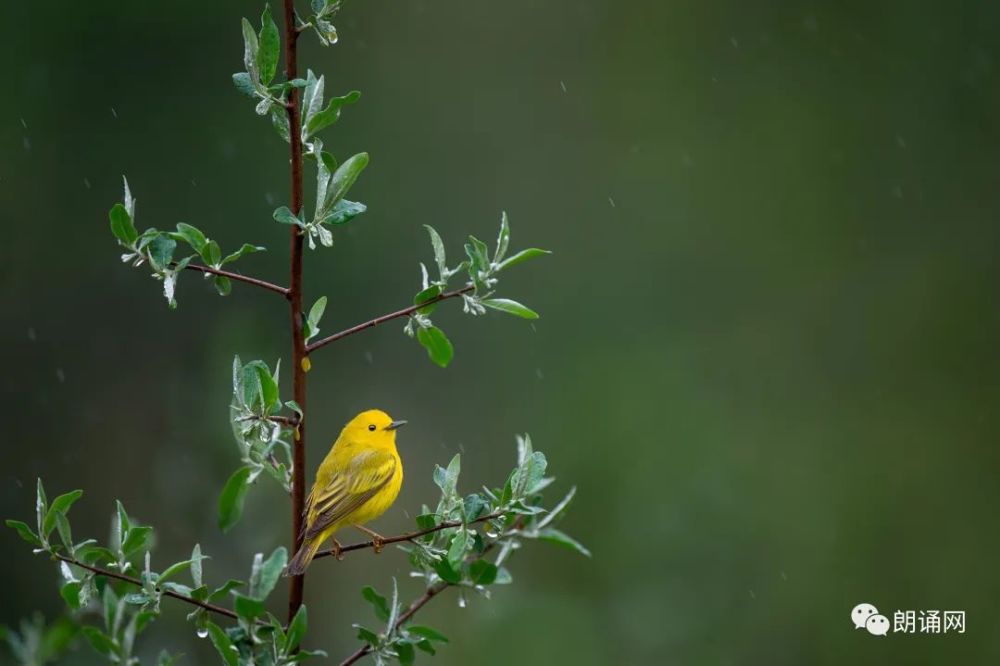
x: 866, y: 616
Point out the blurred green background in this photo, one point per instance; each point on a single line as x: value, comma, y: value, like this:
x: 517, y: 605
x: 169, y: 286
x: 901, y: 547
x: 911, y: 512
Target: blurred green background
x: 767, y: 352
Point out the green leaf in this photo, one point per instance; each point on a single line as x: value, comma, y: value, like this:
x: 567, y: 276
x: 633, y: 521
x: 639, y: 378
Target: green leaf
x: 178, y: 567
x: 367, y: 635
x: 510, y: 307
x: 405, y: 653
x: 222, y: 285
x: 447, y: 573
x: 426, y: 521
x: 483, y: 572
x: 329, y: 115
x: 458, y: 548
x: 223, y: 590
x: 447, y: 479
x: 296, y: 630
x: 266, y: 573
x: 70, y: 592
x: 427, y: 632
x: 225, y: 647
x: 344, y: 177
x: 344, y: 211
x: 267, y: 56
x: 473, y: 506
x: 439, y: 255
x: 136, y: 539
x: 313, y: 319
x: 244, y: 84
x: 436, y: 343
x: 250, y: 50
x: 520, y: 257
x: 161, y: 251
x: 285, y: 216
x: 24, y: 532
x: 248, y: 608
x: 191, y: 235
x: 41, y: 506
x: 211, y: 253
x: 559, y: 538
x: 231, y: 499
x: 122, y: 226
x: 503, y: 238
x: 243, y: 251
x: 196, y: 568
x: 312, y: 96
x: 59, y: 505
x: 378, y: 602
x: 428, y: 294
x: 103, y: 643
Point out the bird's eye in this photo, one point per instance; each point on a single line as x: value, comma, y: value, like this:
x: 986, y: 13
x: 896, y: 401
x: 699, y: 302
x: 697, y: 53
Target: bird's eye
x: 372, y: 427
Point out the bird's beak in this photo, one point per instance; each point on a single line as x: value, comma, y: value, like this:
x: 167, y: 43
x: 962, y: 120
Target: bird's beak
x: 395, y: 424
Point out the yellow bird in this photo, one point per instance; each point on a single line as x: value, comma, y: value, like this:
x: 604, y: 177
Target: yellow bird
x: 357, y: 481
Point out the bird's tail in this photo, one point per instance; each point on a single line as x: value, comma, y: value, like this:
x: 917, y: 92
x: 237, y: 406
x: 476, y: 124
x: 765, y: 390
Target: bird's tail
x: 307, y: 551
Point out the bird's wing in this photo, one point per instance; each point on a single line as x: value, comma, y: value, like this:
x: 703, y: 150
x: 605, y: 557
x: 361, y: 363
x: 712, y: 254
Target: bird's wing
x: 349, y: 489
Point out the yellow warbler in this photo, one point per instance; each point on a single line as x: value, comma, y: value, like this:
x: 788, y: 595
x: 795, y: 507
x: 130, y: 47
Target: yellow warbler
x: 357, y: 481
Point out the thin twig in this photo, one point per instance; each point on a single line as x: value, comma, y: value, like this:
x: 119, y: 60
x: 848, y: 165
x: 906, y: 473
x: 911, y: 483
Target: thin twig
x: 384, y: 318
x: 429, y: 594
x: 409, y: 536
x: 239, y: 278
x: 138, y: 583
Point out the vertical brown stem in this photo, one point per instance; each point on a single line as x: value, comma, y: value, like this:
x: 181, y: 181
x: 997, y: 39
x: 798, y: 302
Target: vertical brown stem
x: 297, y: 583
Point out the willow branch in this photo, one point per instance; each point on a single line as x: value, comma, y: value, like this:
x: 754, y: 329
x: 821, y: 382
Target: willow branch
x: 422, y: 600
x: 409, y: 536
x: 384, y: 318
x: 138, y: 583
x: 297, y: 583
x: 239, y: 278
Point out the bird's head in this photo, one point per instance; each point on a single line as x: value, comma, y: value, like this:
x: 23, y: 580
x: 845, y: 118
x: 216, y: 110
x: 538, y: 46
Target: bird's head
x: 373, y: 427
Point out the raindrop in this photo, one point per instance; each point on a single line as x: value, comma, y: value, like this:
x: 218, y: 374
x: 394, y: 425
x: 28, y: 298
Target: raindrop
x: 27, y: 143
x: 193, y: 183
x: 269, y: 198
x: 900, y: 141
x: 562, y: 84
x: 86, y: 183
x: 538, y: 373
x: 31, y: 333
x: 612, y: 202
x: 114, y: 113
x: 60, y: 375
x: 752, y: 595
x: 461, y: 600
x: 203, y: 633
x: 24, y: 124
x: 369, y: 357
x: 784, y: 576
x: 461, y: 447
x: 734, y: 42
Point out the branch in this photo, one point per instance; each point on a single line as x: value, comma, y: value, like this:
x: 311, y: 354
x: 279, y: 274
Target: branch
x: 138, y: 583
x: 429, y: 594
x: 297, y: 584
x: 409, y: 536
x: 384, y: 318
x: 239, y: 278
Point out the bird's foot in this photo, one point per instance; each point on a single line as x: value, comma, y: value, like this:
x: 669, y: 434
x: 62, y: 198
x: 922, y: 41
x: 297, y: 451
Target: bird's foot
x: 337, y: 550
x: 378, y: 541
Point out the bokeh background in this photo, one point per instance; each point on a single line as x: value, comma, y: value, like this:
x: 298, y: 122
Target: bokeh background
x: 767, y: 353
